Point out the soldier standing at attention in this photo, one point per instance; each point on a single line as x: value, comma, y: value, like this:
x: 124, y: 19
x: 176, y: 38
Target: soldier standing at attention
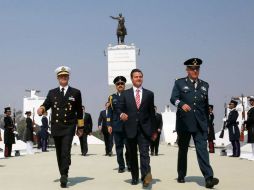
x: 9, y: 136
x: 66, y: 105
x: 233, y: 129
x: 116, y: 125
x: 190, y: 96
x: 211, y: 133
x: 29, y: 133
x: 250, y: 125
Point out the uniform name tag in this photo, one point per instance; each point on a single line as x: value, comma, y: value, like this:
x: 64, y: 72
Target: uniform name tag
x: 72, y: 99
x: 203, y: 88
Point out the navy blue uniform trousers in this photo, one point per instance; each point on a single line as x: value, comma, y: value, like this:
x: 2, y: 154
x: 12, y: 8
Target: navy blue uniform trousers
x: 200, y: 140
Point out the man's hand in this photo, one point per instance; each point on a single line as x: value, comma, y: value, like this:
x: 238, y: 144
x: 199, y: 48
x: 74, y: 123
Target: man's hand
x: 110, y: 130
x: 186, y: 108
x: 124, y: 116
x: 80, y: 132
x: 40, y: 111
x: 154, y: 136
x: 99, y: 127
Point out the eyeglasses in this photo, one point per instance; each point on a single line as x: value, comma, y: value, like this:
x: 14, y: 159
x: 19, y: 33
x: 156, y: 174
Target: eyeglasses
x: 120, y: 83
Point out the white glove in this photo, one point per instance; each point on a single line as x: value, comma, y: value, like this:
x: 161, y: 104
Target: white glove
x: 34, y: 133
x: 15, y: 132
x: 224, y: 119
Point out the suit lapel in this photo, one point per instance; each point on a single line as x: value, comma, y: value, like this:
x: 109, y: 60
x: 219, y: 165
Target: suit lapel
x: 132, y: 97
x: 143, y: 97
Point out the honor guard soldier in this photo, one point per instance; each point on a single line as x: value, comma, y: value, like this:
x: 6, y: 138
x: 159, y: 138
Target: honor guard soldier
x: 211, y: 133
x: 116, y: 125
x: 29, y: 133
x: 158, y: 125
x: 233, y: 129
x: 9, y: 136
x: 190, y: 96
x: 66, y: 105
x: 250, y: 125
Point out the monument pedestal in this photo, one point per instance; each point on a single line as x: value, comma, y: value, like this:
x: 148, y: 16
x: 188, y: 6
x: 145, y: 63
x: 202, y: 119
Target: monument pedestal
x: 121, y: 60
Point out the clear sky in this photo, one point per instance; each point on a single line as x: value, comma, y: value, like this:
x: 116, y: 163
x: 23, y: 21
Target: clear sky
x: 37, y: 36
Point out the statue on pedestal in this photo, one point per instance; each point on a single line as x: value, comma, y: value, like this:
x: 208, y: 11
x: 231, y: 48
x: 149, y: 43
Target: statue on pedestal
x: 121, y: 30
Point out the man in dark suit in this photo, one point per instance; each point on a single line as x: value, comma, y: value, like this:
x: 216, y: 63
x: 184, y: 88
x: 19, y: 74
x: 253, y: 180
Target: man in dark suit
x: 137, y: 110
x: 115, y: 125
x: 190, y: 96
x: 233, y: 129
x: 155, y: 144
x: 102, y: 125
x: 66, y: 105
x: 88, y: 131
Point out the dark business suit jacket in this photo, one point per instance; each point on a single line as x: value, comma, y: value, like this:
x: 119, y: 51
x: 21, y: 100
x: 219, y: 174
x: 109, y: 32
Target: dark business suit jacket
x: 143, y: 117
x: 88, y: 123
x: 102, y: 121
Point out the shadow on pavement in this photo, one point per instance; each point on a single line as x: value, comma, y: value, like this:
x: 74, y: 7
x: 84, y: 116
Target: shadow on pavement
x: 154, y: 181
x: 197, y: 179
x: 75, y: 180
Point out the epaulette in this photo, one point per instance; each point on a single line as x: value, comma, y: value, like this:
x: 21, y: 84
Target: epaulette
x: 179, y: 79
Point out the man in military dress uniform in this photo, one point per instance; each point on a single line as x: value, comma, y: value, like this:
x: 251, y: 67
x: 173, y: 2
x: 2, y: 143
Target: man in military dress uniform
x: 190, y: 96
x: 29, y: 133
x: 250, y: 125
x: 115, y: 125
x: 211, y: 133
x: 233, y: 129
x: 9, y: 136
x: 66, y: 105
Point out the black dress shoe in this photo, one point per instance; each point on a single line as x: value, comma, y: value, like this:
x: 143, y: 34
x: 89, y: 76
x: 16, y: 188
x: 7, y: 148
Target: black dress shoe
x: 63, y: 181
x: 156, y: 154
x: 152, y: 153
x: 180, y: 180
x: 110, y: 153
x: 211, y: 181
x: 129, y: 169
x: 134, y: 181
x: 121, y: 170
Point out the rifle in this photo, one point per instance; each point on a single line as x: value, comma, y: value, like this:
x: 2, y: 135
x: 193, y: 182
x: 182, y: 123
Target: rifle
x: 224, y: 123
x: 243, y: 124
x: 14, y: 124
x: 34, y: 135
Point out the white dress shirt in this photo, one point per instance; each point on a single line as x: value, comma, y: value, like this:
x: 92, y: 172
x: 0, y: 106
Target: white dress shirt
x: 140, y: 92
x: 65, y: 89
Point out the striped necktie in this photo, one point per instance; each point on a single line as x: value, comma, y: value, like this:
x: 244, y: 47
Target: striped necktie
x: 138, y: 98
